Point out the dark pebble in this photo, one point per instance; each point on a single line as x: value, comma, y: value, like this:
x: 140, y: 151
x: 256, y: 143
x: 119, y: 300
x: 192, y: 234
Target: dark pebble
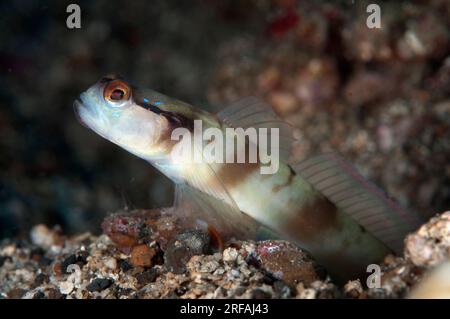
x: 99, y: 284
x: 38, y: 255
x: 125, y: 266
x: 185, y: 245
x: 260, y: 294
x: 36, y: 252
x: 146, y: 277
x: 39, y: 280
x: 321, y: 271
x: 19, y: 243
x: 39, y: 295
x: 171, y: 295
x: 16, y: 293
x: 3, y: 259
x: 54, y: 294
x: 44, y: 261
x: 268, y: 279
x: 182, y: 289
x: 282, y: 289
x: 158, y: 259
x: 80, y: 258
x: 327, y: 294
x: 239, y: 291
x: 72, y: 259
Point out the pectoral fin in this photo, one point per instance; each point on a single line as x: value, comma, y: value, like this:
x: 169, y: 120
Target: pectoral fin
x: 207, y: 210
x: 203, y: 195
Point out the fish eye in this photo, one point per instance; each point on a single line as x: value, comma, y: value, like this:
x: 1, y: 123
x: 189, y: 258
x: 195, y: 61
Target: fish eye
x: 117, y: 95
x: 117, y: 91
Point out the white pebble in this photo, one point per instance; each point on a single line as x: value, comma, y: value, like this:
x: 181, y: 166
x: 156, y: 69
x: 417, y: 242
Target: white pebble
x: 230, y: 254
x: 75, y: 276
x: 42, y: 236
x: 111, y: 263
x: 66, y: 287
x: 235, y: 273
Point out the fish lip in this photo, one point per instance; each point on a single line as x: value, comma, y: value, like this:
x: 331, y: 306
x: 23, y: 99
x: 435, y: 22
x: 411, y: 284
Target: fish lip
x: 80, y: 108
x: 77, y: 106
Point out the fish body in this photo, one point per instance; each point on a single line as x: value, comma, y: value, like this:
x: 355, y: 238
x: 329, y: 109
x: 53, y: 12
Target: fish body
x: 322, y: 204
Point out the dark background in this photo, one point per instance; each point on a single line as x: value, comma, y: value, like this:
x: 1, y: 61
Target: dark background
x: 380, y: 97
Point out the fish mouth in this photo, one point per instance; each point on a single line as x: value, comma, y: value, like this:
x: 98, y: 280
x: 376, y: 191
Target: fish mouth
x: 79, y: 109
x: 85, y: 114
x: 88, y: 115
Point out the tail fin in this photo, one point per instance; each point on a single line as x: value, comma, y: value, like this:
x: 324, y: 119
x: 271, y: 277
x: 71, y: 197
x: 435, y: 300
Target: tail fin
x: 359, y: 198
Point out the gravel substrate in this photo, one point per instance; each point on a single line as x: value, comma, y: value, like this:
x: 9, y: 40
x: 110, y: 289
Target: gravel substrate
x: 379, y: 97
x: 163, y: 260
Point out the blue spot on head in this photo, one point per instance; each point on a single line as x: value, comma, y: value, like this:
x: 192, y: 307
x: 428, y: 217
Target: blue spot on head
x: 145, y: 100
x: 157, y: 103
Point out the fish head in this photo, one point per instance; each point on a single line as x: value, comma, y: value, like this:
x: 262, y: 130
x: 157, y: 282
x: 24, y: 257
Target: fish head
x: 111, y: 109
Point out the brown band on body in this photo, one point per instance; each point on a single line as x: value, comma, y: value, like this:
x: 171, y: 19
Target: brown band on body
x: 233, y: 174
x: 313, y: 220
x: 174, y: 120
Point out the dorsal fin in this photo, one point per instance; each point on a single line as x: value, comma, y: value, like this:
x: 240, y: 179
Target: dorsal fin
x: 359, y: 198
x: 253, y: 112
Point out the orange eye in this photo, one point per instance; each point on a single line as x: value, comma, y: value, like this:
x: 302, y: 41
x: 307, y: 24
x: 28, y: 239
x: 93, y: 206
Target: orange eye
x: 117, y: 91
